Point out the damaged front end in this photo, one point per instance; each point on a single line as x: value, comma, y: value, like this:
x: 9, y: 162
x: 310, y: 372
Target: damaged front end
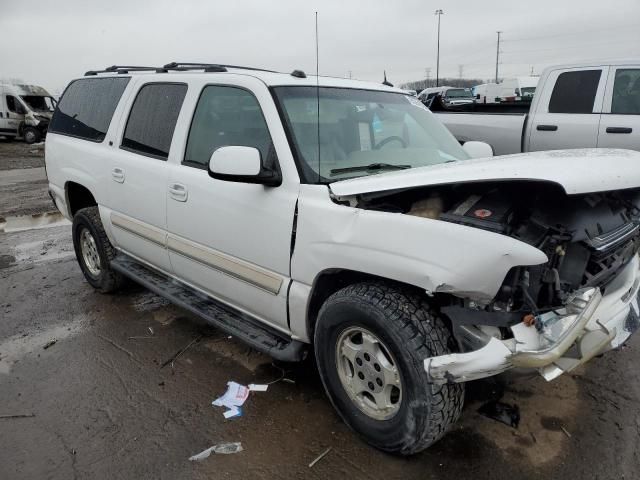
x: 553, y: 316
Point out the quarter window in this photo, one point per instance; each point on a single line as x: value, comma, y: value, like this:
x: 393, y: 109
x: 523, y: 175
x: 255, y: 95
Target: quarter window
x: 575, y: 92
x: 626, y: 91
x: 227, y: 116
x: 153, y: 118
x: 86, y: 107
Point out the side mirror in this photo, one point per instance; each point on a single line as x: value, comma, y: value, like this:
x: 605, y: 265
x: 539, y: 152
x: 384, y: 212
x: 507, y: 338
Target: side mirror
x: 478, y: 149
x: 241, y: 164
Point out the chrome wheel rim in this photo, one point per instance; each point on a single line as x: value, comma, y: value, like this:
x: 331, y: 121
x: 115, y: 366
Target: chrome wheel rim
x: 368, y: 373
x: 89, y: 251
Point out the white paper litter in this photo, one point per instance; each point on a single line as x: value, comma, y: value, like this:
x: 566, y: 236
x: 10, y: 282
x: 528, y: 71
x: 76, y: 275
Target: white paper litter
x: 235, y: 396
x: 233, y: 412
x: 220, y: 449
x: 254, y: 387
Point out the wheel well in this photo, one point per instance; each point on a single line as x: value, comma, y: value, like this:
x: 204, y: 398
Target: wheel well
x: 330, y: 281
x: 78, y: 196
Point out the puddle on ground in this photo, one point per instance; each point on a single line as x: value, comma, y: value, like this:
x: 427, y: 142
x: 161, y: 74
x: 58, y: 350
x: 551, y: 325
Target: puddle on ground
x: 28, y: 222
x: 13, y: 349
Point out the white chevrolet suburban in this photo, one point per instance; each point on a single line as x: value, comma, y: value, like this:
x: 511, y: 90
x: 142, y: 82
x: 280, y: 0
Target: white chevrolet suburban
x: 340, y: 217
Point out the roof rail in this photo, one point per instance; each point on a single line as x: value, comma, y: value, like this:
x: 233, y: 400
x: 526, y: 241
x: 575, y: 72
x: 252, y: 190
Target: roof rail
x: 123, y: 69
x: 210, y: 67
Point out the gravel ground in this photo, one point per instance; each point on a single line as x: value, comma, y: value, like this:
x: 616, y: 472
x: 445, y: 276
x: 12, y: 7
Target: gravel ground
x: 99, y: 404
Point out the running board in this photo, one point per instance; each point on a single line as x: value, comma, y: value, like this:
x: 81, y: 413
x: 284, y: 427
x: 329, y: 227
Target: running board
x: 240, y: 325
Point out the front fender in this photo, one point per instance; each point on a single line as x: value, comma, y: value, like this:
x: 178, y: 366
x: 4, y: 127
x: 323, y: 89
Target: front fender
x: 434, y: 255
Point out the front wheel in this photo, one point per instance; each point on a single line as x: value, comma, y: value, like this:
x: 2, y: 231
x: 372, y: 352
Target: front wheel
x: 31, y: 135
x: 370, y: 342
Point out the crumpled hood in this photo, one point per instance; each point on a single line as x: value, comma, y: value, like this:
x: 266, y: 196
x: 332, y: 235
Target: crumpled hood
x: 577, y: 171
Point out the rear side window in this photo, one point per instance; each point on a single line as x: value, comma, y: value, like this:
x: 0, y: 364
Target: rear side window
x: 626, y: 91
x: 575, y: 92
x: 227, y: 116
x: 86, y: 108
x: 153, y: 119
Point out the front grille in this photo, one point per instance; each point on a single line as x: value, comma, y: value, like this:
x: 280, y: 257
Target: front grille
x: 610, y: 253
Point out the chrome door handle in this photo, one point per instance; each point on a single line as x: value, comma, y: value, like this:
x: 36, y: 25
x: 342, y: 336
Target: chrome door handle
x: 178, y: 192
x: 118, y: 175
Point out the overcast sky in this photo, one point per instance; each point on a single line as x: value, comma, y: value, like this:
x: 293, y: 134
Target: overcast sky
x: 49, y: 42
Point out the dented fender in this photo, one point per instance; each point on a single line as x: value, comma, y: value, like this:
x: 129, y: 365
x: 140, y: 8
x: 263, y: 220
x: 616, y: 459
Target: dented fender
x: 434, y: 255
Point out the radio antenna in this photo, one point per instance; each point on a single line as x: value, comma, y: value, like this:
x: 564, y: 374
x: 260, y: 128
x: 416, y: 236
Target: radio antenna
x: 318, y: 96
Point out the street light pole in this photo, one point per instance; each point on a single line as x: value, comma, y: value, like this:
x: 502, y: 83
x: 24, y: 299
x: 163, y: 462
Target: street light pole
x: 497, y: 55
x: 438, y: 13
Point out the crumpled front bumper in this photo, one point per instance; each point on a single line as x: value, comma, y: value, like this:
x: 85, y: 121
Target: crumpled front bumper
x: 598, y: 321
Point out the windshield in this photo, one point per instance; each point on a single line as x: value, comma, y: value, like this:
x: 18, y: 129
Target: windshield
x: 527, y: 91
x: 362, y: 132
x: 39, y: 103
x: 458, y: 93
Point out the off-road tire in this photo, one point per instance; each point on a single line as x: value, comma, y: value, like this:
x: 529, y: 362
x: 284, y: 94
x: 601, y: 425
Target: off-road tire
x: 107, y: 280
x: 412, y: 331
x: 31, y: 135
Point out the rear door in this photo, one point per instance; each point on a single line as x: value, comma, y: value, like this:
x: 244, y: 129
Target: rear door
x: 568, y: 113
x: 620, y: 121
x: 139, y: 172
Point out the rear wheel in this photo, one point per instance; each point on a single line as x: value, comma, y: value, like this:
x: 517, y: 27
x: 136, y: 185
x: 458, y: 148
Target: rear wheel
x: 94, y: 252
x: 370, y: 341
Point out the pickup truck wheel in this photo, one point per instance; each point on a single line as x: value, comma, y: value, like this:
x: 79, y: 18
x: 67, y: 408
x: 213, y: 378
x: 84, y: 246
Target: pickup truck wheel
x: 370, y: 343
x: 31, y: 135
x: 94, y: 251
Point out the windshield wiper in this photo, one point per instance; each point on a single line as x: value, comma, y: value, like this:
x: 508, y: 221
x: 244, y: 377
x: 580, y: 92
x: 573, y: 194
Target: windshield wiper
x: 371, y: 166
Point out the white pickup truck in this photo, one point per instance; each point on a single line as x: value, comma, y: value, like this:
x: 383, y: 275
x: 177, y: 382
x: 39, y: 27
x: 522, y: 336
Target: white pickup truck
x: 574, y: 106
x: 360, y: 231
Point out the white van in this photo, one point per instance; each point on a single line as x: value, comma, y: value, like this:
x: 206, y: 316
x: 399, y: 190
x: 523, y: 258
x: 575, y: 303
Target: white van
x: 510, y: 89
x: 25, y: 111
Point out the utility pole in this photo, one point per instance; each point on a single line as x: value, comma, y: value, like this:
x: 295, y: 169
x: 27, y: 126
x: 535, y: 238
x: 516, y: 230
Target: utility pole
x: 497, y: 55
x: 350, y: 74
x: 427, y: 73
x: 460, y: 71
x: 438, y: 12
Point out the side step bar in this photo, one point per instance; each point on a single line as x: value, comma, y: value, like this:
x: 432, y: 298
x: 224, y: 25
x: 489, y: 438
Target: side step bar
x: 261, y: 337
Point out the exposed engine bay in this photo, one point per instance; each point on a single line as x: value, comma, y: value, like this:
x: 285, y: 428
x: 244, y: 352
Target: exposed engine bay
x: 588, y: 238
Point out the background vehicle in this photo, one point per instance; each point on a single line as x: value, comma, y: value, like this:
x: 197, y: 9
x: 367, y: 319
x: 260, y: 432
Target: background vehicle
x: 509, y: 90
x: 25, y: 111
x: 450, y: 95
x: 579, y: 105
x: 360, y: 230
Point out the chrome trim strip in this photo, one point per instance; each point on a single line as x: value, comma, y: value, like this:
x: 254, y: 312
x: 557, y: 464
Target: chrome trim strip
x: 139, y: 229
x: 619, y: 235
x: 244, y: 271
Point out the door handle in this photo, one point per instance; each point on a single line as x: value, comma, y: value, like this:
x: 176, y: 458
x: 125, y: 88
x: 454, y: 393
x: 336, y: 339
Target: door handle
x: 619, y: 129
x: 178, y: 192
x: 547, y: 128
x: 118, y: 175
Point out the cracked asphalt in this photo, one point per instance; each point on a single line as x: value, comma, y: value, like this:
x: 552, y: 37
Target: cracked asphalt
x: 97, y: 404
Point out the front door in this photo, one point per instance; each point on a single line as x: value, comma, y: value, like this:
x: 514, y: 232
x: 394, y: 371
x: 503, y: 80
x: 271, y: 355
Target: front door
x: 620, y: 121
x: 233, y: 240
x: 139, y: 172
x: 13, y: 115
x: 568, y: 112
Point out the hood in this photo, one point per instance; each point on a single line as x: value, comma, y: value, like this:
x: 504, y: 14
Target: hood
x: 576, y: 171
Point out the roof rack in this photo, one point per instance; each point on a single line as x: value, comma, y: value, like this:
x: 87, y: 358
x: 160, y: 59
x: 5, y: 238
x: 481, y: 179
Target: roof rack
x: 210, y: 67
x: 123, y: 69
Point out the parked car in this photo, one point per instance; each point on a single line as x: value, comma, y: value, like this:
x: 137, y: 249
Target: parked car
x: 25, y: 111
x: 325, y: 215
x: 578, y: 105
x: 517, y: 89
x: 449, y: 95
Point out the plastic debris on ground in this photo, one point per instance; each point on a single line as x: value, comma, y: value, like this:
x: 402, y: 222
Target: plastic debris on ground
x: 235, y: 396
x: 501, y: 412
x: 220, y: 449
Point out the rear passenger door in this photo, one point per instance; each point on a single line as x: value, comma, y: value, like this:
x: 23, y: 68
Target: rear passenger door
x: 229, y: 239
x: 568, y: 112
x: 620, y: 121
x: 139, y: 172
